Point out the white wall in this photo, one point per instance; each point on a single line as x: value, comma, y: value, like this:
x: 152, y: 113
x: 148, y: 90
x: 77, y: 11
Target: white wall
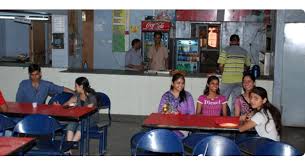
x: 129, y: 94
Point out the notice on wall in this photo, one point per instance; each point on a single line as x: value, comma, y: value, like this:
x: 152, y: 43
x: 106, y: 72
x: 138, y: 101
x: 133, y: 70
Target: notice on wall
x: 119, y: 20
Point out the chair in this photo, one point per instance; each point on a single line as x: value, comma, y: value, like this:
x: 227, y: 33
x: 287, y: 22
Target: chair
x: 42, y: 127
x: 100, y: 130
x: 134, y: 140
x: 61, y: 98
x: 248, y: 146
x: 159, y: 142
x: 277, y: 149
x: 190, y: 141
x: 5, y: 124
x: 216, y: 146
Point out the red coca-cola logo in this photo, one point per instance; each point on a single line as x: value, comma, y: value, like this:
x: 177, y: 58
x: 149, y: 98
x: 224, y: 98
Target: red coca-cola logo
x: 153, y: 26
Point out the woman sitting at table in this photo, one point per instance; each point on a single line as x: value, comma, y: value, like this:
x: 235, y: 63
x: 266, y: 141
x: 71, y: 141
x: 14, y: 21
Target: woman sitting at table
x: 266, y: 119
x: 177, y: 100
x: 211, y: 103
x: 84, y: 96
x: 242, y: 103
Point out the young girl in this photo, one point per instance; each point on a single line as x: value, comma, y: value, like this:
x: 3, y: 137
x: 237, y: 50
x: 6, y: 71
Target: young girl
x: 177, y: 100
x: 211, y: 103
x: 85, y: 96
x: 266, y: 118
x: 242, y: 102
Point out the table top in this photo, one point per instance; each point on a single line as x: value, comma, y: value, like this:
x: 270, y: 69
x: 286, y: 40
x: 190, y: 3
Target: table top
x: 10, y: 145
x: 190, y: 122
x: 51, y: 110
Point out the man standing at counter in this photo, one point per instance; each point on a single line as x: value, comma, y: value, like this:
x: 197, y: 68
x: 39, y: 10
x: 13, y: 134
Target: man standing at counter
x: 158, y: 54
x: 37, y: 90
x: 233, y: 61
x: 134, y: 58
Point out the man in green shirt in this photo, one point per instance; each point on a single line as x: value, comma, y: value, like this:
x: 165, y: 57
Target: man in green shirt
x: 233, y: 61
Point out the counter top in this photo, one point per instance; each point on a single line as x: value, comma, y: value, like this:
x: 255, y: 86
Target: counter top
x: 142, y: 73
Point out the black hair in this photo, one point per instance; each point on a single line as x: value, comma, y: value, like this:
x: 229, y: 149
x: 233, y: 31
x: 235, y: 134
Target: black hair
x: 234, y: 37
x: 158, y: 33
x: 86, y: 86
x: 250, y: 76
x: 275, y: 113
x: 182, y: 94
x: 134, y: 41
x: 34, y: 67
x: 206, y: 90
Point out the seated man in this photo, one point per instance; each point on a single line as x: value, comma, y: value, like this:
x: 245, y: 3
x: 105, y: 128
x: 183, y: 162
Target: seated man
x: 37, y: 90
x: 3, y: 105
x: 134, y: 58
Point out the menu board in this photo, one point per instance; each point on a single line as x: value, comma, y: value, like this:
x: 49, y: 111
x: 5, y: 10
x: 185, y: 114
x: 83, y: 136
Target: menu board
x: 118, y: 30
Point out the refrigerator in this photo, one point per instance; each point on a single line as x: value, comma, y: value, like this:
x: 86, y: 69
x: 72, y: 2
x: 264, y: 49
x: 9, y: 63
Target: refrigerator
x: 148, y: 28
x: 187, y: 55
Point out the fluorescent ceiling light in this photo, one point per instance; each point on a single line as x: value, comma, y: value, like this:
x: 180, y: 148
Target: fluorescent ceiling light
x: 37, y: 18
x: 7, y: 17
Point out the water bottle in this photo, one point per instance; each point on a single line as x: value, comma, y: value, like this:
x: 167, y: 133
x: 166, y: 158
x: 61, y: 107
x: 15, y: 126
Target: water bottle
x: 255, y: 71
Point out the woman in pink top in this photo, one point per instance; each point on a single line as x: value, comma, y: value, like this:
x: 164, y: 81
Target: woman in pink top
x: 211, y: 103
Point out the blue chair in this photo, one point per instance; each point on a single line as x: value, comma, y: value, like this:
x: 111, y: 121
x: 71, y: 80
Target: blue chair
x: 159, y: 142
x: 277, y: 149
x: 190, y: 141
x: 5, y: 124
x: 42, y: 127
x: 61, y: 98
x: 248, y: 145
x: 216, y: 146
x: 134, y: 140
x: 100, y: 130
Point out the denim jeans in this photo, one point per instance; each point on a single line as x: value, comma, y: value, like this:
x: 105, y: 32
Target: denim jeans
x: 232, y: 90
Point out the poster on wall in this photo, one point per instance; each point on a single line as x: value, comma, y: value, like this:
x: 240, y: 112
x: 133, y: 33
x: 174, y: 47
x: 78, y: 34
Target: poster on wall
x: 119, y: 18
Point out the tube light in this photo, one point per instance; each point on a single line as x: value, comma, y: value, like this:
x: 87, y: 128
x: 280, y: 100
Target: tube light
x: 38, y: 18
x: 7, y: 17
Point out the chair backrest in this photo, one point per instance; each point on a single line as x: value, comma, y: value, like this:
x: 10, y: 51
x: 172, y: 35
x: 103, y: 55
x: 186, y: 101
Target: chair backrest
x: 160, y: 141
x: 39, y: 125
x: 6, y: 123
x: 216, y: 146
x: 104, y: 100
x: 249, y: 145
x: 61, y: 98
x: 277, y: 149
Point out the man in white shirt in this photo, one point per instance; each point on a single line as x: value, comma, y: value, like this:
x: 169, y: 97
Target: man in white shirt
x: 134, y: 58
x: 158, y: 54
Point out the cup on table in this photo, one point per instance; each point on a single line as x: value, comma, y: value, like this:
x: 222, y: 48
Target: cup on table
x: 34, y: 104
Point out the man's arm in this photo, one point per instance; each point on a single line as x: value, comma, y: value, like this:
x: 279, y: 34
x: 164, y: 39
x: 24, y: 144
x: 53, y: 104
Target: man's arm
x: 20, y: 93
x: 221, y: 66
x: 222, y: 60
x: 166, y: 63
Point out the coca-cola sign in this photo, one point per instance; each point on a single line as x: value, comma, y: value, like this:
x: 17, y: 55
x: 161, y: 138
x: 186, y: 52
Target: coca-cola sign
x: 155, y: 26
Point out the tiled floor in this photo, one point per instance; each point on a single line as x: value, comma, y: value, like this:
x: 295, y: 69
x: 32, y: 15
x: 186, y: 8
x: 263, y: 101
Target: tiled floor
x: 124, y: 127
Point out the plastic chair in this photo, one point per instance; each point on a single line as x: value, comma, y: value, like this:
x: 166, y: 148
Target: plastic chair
x: 190, y: 141
x: 61, y: 98
x: 159, y: 142
x: 42, y: 127
x: 134, y: 140
x: 5, y: 124
x: 248, y: 146
x: 216, y: 146
x: 104, y: 103
x: 100, y: 130
x: 277, y: 149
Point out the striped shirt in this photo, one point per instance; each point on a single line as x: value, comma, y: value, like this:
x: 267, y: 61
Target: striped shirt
x: 234, y: 59
x: 211, y: 107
